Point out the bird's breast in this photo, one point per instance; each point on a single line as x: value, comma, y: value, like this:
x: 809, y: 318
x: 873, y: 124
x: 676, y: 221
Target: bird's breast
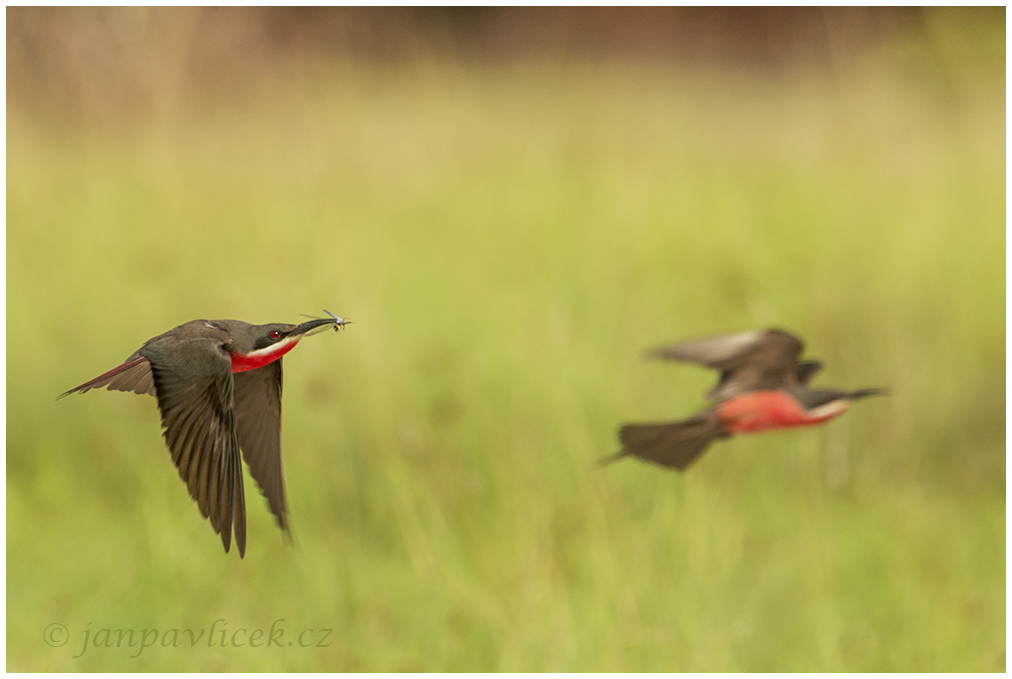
x: 765, y: 410
x: 261, y: 357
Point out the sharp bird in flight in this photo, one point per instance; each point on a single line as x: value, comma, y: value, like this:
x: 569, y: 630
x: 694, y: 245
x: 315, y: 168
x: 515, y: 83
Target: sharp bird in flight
x: 218, y: 385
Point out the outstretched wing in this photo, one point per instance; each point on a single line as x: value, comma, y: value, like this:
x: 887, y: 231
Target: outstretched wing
x: 807, y: 370
x: 748, y: 361
x: 258, y: 422
x: 721, y: 352
x: 194, y: 387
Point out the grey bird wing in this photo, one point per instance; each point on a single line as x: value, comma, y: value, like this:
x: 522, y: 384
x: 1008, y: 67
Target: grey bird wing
x: 807, y: 370
x: 718, y: 351
x: 134, y: 374
x: 258, y: 422
x: 748, y: 361
x: 194, y: 387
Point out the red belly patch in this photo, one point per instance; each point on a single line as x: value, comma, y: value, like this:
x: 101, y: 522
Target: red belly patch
x: 764, y: 410
x: 260, y: 358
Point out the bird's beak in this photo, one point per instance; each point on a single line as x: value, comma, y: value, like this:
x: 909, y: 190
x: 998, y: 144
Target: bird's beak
x: 318, y: 325
x: 873, y: 391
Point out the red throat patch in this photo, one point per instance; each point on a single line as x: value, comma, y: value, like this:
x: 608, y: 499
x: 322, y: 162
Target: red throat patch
x: 258, y: 359
x: 764, y: 410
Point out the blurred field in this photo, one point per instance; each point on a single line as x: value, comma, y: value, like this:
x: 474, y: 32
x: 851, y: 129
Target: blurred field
x: 508, y: 239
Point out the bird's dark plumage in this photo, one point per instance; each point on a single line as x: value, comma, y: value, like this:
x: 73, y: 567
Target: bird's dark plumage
x: 763, y: 385
x: 748, y: 361
x: 671, y: 444
x: 134, y: 374
x: 218, y: 386
x: 258, y: 423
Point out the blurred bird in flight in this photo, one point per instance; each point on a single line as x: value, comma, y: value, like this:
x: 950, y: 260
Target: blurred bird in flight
x: 763, y: 386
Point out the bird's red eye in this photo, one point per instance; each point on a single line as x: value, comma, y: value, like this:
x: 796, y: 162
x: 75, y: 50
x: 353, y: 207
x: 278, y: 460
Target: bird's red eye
x: 275, y: 334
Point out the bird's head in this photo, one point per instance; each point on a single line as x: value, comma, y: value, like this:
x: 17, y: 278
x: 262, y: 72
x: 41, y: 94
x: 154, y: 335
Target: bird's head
x: 253, y: 346
x: 818, y: 402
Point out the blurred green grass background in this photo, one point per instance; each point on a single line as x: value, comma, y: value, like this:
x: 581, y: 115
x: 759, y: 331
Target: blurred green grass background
x: 508, y: 238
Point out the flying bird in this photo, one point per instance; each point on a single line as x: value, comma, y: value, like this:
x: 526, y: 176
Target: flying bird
x: 218, y: 385
x: 763, y: 386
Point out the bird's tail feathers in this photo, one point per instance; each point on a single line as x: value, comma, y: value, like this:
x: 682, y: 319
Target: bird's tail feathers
x: 669, y: 444
x: 134, y: 375
x: 609, y: 459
